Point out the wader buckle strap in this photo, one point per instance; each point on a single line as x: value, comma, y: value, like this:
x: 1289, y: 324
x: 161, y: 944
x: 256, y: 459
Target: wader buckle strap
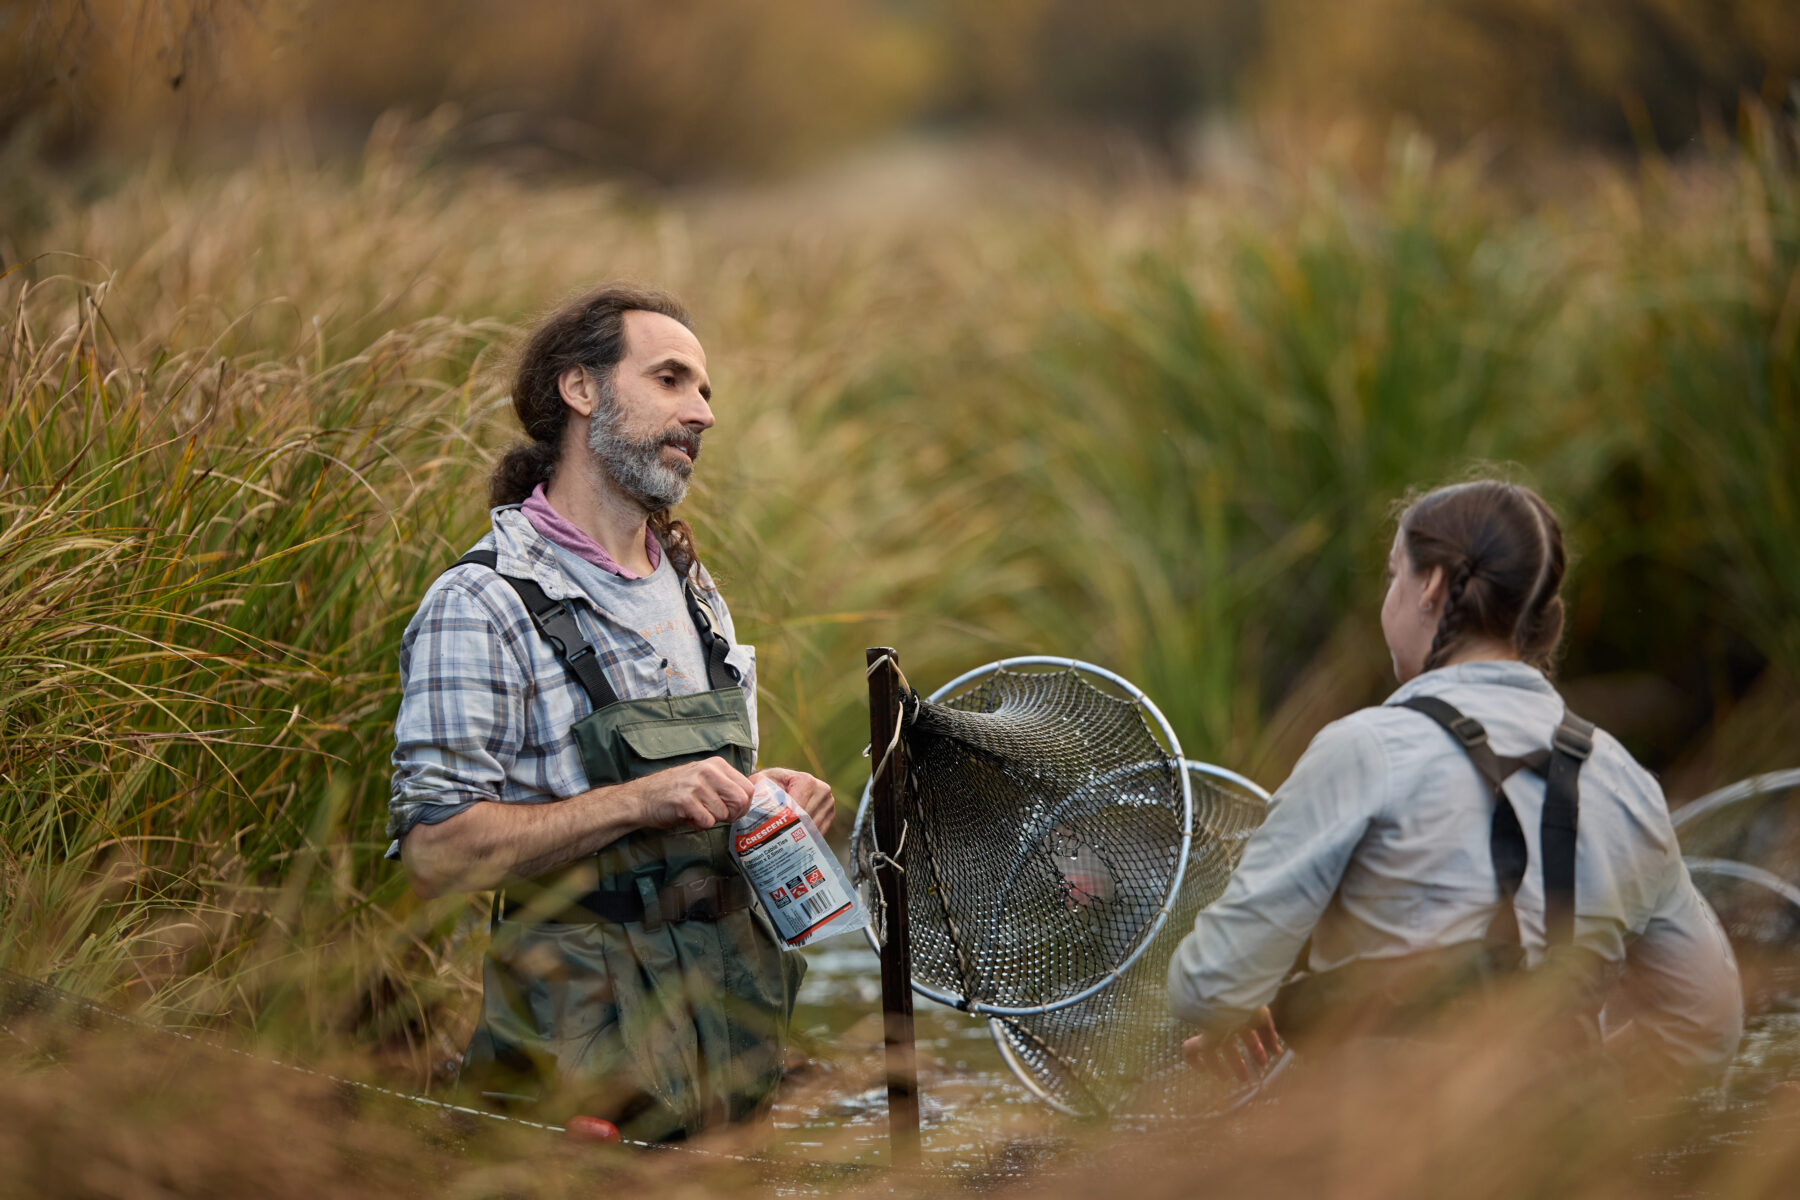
x: 1570, y: 745
x: 1468, y: 731
x: 707, y: 899
x: 557, y: 623
x: 1574, y: 737
x: 559, y: 627
x: 719, y: 673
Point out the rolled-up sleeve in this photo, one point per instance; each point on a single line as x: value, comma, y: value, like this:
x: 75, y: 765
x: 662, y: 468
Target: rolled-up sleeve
x: 1243, y: 945
x: 1681, y: 983
x: 462, y: 706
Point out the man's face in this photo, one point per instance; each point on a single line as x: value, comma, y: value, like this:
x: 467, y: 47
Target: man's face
x: 646, y: 429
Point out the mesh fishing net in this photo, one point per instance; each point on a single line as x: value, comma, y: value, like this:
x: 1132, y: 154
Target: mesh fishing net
x: 1046, y: 820
x: 1742, y: 845
x: 1118, y: 1052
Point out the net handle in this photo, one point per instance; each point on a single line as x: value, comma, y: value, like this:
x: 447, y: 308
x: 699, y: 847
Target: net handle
x: 885, y: 783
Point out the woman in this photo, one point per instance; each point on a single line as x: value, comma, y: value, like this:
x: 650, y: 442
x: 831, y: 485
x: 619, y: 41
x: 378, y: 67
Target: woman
x: 1388, y: 848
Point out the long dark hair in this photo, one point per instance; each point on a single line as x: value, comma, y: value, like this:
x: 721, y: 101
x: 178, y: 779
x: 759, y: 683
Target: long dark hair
x: 587, y: 331
x: 1501, y: 550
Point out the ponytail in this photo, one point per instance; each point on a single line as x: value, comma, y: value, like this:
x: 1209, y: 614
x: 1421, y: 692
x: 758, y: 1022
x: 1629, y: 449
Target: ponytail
x: 518, y: 474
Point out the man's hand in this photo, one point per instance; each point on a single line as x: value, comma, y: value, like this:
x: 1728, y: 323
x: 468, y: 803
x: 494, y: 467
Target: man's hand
x: 487, y: 844
x: 811, y: 794
x: 699, y: 795
x: 1230, y: 1055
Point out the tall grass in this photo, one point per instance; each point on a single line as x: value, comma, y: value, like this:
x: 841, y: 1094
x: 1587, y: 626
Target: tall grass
x: 206, y: 558
x: 246, y: 419
x: 1257, y: 393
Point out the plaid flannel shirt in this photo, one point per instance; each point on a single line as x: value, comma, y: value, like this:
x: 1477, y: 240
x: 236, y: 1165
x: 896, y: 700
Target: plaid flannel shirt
x: 486, y: 706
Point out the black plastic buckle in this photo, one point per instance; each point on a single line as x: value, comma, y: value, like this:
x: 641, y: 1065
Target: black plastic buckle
x: 695, y: 900
x: 1573, y: 742
x: 653, y: 903
x: 1468, y: 731
x: 702, y: 610
x: 559, y: 626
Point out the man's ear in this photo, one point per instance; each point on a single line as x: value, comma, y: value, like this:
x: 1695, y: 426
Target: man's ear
x: 578, y: 390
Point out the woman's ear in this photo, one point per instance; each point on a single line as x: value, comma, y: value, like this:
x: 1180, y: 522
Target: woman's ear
x: 578, y: 390
x: 1431, y: 597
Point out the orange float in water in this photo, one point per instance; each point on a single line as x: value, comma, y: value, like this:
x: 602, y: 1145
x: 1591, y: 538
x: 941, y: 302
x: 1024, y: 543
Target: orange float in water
x: 591, y: 1129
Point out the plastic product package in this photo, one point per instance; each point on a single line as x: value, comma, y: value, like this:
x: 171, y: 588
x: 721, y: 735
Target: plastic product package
x: 784, y: 856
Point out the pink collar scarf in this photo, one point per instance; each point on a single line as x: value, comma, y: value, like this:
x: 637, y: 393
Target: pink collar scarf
x: 559, y: 529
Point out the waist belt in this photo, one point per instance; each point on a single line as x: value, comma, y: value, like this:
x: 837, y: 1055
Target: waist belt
x: 706, y: 899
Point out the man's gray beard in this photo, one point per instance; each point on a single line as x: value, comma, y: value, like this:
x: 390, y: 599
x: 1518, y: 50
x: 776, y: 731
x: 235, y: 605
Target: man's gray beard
x: 636, y: 465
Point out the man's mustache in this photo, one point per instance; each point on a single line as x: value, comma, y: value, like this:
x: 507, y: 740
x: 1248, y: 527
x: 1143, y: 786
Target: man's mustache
x: 685, y: 440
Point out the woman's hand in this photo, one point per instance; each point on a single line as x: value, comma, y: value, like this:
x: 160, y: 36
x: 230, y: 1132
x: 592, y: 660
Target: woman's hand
x: 811, y: 794
x: 1231, y: 1055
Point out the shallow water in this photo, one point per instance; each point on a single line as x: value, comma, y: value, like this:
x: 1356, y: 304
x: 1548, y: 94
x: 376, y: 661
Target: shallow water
x: 972, y: 1110
x: 977, y: 1117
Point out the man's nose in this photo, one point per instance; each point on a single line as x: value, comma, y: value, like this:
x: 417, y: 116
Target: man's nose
x: 695, y: 412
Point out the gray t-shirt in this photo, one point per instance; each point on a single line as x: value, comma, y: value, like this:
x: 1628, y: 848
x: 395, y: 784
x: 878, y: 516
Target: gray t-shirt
x: 654, y: 608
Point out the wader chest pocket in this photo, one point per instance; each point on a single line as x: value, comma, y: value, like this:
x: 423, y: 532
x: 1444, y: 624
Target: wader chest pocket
x: 634, y: 738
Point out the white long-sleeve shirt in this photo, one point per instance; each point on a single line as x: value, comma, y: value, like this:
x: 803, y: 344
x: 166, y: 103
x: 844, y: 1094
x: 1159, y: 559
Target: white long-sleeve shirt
x: 1377, y: 847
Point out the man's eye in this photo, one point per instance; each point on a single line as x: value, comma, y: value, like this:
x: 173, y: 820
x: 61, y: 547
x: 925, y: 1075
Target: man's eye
x: 666, y: 380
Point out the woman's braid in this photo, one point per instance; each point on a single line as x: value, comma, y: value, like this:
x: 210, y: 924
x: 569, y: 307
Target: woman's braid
x: 1500, y: 549
x: 1450, y: 623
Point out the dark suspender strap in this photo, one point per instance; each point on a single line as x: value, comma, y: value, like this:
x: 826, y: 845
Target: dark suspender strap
x: 1468, y: 733
x: 1506, y: 838
x: 719, y: 673
x: 1560, y: 766
x: 557, y: 624
x: 1570, y: 746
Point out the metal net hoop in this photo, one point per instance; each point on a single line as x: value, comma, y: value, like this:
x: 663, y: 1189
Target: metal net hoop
x: 1117, y: 1054
x: 1046, y: 822
x: 1755, y: 820
x: 1760, y: 912
x: 1742, y: 847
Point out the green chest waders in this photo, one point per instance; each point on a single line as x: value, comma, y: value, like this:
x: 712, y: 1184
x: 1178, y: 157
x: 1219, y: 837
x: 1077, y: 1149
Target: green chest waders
x: 640, y: 985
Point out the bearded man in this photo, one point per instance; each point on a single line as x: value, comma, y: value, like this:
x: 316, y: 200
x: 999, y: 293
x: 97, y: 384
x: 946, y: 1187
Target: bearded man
x: 577, y: 729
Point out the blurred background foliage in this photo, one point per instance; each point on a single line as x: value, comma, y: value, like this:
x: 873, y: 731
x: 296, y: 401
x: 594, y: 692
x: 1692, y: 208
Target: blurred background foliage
x: 677, y: 90
x: 1111, y: 331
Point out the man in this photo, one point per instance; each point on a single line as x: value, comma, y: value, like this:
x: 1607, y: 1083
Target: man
x: 577, y: 728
